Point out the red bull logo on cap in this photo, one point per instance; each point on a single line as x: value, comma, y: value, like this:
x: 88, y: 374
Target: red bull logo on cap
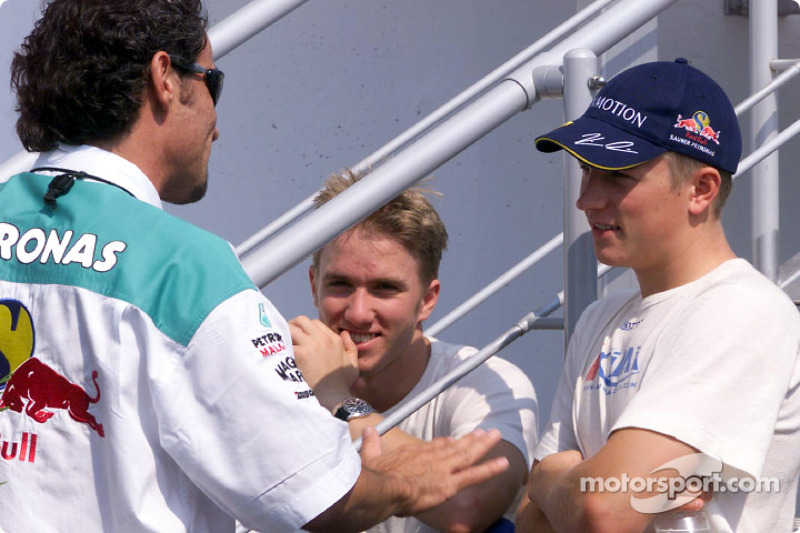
x: 29, y: 383
x: 699, y: 123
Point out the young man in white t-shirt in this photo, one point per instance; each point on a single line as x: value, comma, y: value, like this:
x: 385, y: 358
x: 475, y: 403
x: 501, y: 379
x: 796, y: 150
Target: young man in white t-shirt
x: 377, y: 283
x: 682, y: 394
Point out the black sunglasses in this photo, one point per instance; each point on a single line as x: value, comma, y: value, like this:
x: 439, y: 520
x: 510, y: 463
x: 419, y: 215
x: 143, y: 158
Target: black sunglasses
x: 213, y: 77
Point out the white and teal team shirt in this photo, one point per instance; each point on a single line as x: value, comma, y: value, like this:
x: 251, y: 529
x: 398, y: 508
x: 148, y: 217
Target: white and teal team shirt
x: 147, y: 384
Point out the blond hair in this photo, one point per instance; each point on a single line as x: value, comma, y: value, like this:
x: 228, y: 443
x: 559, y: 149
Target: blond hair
x: 682, y: 166
x: 409, y: 218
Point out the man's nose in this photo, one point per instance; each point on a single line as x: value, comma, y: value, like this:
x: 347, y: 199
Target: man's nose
x: 591, y: 196
x: 359, y: 310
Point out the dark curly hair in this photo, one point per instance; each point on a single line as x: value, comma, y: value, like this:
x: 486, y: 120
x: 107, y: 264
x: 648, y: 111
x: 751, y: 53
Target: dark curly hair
x: 81, y: 74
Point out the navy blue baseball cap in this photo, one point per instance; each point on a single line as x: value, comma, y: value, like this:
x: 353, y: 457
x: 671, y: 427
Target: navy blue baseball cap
x: 650, y: 109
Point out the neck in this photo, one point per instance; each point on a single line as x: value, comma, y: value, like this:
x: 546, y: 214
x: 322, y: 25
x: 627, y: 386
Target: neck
x: 708, y: 250
x: 140, y: 145
x: 388, y: 387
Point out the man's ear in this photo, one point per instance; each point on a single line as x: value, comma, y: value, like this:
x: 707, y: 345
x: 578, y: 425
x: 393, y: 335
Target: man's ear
x: 162, y: 83
x: 429, y: 299
x: 705, y: 184
x: 313, y: 286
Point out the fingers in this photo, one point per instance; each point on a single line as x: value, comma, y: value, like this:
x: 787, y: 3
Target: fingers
x: 350, y: 347
x: 435, y: 471
x: 696, y: 504
x: 323, y: 360
x: 370, y: 443
x: 480, y: 472
x: 313, y: 335
x: 473, y: 447
x: 301, y: 326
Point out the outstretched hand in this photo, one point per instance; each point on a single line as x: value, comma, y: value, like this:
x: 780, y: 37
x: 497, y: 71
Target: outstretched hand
x: 431, y: 472
x: 327, y: 360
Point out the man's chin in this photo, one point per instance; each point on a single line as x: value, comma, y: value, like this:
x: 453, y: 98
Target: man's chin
x: 189, y: 196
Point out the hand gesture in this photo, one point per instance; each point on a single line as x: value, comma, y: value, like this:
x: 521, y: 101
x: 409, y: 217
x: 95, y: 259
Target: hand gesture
x: 431, y: 472
x: 328, y: 361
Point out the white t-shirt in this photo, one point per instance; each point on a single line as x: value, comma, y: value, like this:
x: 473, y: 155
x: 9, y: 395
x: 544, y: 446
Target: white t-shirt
x: 497, y: 394
x: 713, y: 363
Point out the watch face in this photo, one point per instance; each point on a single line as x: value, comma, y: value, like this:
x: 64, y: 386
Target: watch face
x: 356, y: 406
x: 352, y: 408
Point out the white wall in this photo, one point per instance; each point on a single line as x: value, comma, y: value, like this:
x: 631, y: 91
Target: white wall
x: 334, y: 81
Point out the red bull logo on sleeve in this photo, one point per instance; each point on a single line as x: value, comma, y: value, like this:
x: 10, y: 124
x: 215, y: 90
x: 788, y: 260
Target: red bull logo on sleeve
x: 29, y: 383
x: 700, y: 124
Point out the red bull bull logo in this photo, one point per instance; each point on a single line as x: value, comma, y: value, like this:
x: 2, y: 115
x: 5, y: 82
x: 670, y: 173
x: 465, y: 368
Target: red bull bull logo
x: 31, y: 385
x: 43, y: 388
x: 699, y: 123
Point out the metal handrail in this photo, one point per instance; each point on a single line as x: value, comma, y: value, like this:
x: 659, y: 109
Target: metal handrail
x: 459, y: 131
x: 247, y: 22
x: 490, y: 289
x: 792, y: 70
x: 434, y: 118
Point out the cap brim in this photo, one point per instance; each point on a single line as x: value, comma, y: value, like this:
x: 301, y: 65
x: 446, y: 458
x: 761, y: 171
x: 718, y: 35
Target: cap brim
x: 599, y: 144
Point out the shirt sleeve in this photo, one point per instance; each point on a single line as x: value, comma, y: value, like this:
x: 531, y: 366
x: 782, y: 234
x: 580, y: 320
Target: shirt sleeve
x: 496, y: 395
x: 559, y: 435
x: 236, y: 415
x: 721, y: 374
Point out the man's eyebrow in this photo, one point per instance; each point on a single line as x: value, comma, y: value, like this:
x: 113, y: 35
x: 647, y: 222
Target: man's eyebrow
x: 333, y: 276
x: 390, y: 281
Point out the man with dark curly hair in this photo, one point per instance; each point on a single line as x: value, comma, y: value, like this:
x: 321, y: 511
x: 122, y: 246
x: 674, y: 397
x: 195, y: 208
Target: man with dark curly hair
x: 145, y: 383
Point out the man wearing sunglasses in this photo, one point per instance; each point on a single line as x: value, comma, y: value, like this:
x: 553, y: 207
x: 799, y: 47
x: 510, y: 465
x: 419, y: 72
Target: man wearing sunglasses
x: 145, y: 383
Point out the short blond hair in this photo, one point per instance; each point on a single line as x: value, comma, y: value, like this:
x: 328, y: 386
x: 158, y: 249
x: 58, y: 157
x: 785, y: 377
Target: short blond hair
x: 409, y: 218
x: 682, y: 166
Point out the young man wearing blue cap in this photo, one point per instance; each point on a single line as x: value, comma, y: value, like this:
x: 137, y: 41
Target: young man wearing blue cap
x: 683, y: 394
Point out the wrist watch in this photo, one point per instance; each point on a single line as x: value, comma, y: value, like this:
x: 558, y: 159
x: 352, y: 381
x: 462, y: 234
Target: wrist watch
x: 352, y: 408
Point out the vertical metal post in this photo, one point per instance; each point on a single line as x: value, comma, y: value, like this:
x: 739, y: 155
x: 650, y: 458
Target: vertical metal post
x: 580, y: 265
x: 764, y: 127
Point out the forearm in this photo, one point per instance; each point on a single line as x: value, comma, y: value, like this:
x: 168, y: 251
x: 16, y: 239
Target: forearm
x: 554, y: 494
x: 470, y: 510
x: 373, y: 499
x: 557, y: 488
x: 478, y: 507
x: 392, y: 439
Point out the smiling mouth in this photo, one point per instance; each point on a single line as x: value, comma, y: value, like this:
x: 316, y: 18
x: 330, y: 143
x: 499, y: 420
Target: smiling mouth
x: 359, y: 338
x: 605, y: 227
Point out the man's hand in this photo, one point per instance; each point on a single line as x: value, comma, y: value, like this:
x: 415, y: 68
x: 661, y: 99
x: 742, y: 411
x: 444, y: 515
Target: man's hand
x: 531, y: 519
x: 429, y: 473
x: 409, y: 479
x: 328, y: 361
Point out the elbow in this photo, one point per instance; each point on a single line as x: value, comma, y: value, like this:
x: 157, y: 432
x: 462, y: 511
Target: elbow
x: 468, y: 517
